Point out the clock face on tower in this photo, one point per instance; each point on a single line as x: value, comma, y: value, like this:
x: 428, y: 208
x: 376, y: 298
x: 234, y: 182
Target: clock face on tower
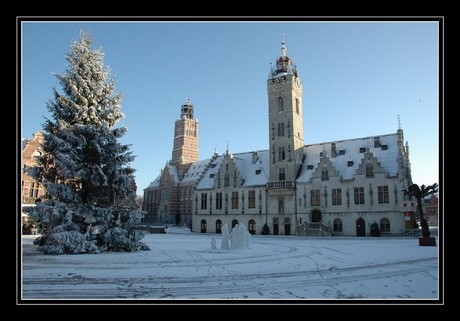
x: 298, y: 83
x: 278, y: 82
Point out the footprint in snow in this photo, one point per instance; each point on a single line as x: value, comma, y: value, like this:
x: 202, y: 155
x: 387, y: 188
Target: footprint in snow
x: 260, y: 293
x: 385, y: 285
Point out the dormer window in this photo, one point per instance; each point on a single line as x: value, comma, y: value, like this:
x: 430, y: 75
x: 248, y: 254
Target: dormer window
x: 384, y: 147
x: 362, y: 150
x: 258, y: 171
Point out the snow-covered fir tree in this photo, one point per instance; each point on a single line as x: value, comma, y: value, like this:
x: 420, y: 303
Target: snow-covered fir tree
x: 83, y: 167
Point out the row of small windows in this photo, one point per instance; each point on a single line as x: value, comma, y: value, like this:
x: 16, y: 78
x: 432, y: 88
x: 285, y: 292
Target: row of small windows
x: 315, y: 197
x: 234, y: 200
x: 384, y: 225
x: 227, y: 177
x: 325, y: 172
x: 359, y: 199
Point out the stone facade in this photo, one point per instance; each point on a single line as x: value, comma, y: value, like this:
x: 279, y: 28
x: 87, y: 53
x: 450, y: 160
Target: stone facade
x: 332, y: 188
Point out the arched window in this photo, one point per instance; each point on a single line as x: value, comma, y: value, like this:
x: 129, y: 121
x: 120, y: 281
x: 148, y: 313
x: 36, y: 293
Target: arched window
x: 338, y: 225
x: 385, y: 225
x: 234, y: 222
x: 252, y: 227
x: 203, y: 226
x: 275, y: 226
x: 280, y: 104
x: 297, y: 106
x: 218, y: 226
x: 287, y: 226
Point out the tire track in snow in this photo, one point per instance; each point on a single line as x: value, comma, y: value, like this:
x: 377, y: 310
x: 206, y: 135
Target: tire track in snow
x: 216, y: 286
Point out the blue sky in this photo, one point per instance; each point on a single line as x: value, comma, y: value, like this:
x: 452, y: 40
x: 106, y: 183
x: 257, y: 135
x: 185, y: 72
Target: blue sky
x: 357, y: 78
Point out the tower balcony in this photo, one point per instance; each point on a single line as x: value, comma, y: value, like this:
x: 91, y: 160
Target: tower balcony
x: 281, y: 188
x: 280, y: 184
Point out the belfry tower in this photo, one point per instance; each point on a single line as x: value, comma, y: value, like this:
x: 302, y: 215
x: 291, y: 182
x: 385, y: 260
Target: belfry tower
x: 185, y: 150
x: 285, y: 118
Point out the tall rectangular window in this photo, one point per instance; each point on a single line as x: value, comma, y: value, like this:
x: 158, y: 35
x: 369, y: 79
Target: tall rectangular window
x: 252, y: 199
x: 383, y: 194
x: 336, y: 196
x: 369, y: 171
x: 33, y: 189
x: 281, y: 153
x: 315, y: 197
x: 282, y: 174
x: 359, y: 195
x: 227, y: 179
x: 218, y: 201
x: 204, y: 201
x: 280, y: 129
x: 234, y: 200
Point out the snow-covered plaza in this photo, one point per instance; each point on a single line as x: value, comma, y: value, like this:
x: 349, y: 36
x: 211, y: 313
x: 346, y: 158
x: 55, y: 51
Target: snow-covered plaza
x: 182, y: 265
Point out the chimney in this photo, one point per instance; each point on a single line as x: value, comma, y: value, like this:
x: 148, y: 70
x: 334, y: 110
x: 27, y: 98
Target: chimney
x: 333, y: 150
x: 255, y: 157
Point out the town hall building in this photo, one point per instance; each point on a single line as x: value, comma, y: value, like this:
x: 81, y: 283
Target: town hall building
x: 333, y: 188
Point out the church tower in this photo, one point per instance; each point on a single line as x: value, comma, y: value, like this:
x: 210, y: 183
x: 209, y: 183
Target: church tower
x: 185, y: 150
x: 285, y: 118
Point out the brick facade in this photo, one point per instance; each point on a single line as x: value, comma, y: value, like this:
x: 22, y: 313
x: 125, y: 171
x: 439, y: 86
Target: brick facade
x: 31, y: 189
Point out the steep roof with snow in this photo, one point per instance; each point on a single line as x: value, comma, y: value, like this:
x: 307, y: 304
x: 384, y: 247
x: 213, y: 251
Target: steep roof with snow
x: 192, y: 175
x: 349, y: 154
x: 154, y: 184
x: 208, y: 181
x: 249, y: 171
x: 195, y: 171
x: 253, y: 174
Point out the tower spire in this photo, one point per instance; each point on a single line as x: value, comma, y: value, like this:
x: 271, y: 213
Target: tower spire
x: 283, y: 46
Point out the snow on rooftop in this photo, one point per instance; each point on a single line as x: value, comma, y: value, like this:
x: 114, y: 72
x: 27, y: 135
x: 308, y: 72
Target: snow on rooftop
x: 155, y: 183
x: 208, y: 179
x: 195, y: 170
x: 253, y: 174
x: 349, y: 154
x: 249, y: 171
x: 388, y: 158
